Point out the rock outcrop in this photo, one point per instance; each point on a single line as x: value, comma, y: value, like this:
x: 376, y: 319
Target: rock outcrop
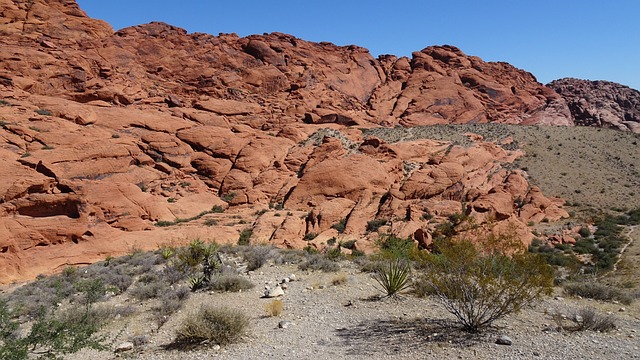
x: 113, y: 141
x: 601, y: 103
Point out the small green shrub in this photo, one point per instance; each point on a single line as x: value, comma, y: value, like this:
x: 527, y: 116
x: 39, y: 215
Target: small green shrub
x: 228, y: 197
x: 584, y: 232
x: 340, y: 226
x: 245, y: 237
x: 43, y: 112
x: 310, y: 236
x: 257, y: 256
x: 230, y: 283
x: 217, y: 209
x: 374, y: 225
x: 393, y: 277
x: 220, y: 326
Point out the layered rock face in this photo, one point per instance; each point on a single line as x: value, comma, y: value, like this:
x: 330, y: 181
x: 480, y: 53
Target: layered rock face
x: 601, y: 103
x: 105, y: 135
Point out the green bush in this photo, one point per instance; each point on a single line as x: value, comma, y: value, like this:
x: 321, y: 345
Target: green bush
x: 229, y: 283
x: 216, y: 326
x: 319, y: 262
x: 374, y: 225
x: 245, y: 237
x: 479, y: 286
x: 340, y: 226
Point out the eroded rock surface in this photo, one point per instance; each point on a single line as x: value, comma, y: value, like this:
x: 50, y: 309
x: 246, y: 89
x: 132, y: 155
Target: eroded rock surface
x: 106, y: 135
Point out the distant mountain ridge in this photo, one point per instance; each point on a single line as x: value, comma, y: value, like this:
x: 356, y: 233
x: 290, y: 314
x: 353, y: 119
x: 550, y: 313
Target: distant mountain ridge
x: 600, y: 103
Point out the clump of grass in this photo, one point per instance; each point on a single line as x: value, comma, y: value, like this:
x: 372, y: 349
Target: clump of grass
x: 274, y: 308
x: 221, y: 326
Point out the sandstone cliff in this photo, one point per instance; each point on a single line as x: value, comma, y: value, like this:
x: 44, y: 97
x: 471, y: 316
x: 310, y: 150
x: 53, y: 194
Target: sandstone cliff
x: 106, y: 135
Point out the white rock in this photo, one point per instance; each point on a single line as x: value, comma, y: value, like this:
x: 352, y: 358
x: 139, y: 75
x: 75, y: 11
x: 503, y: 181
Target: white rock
x: 504, y: 340
x: 125, y: 346
x: 275, y: 292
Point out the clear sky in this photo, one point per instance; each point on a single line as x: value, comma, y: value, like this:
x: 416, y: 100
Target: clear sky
x: 586, y: 39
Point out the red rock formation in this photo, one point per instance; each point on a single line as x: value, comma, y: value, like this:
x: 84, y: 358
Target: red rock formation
x: 105, y: 133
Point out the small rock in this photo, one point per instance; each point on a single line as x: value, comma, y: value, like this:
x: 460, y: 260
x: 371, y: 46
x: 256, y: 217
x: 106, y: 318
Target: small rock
x: 285, y: 280
x: 559, y: 298
x: 125, y: 346
x: 504, y: 340
x: 275, y: 292
x: 535, y: 353
x: 216, y: 347
x: 284, y: 324
x: 292, y: 277
x: 284, y: 286
x: 622, y: 309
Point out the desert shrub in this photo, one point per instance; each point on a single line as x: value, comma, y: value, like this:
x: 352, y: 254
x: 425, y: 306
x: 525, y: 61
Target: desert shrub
x: 587, y: 318
x: 319, y: 262
x: 349, y: 244
x: 334, y: 253
x: 54, y: 333
x: 256, y: 256
x: 170, y: 302
x: 151, y: 290
x: 245, y: 236
x: 230, y: 283
x: 310, y: 236
x: 219, y: 326
x: 340, y: 226
x: 479, y: 286
x: 597, y: 291
x: 584, y: 232
x: 584, y: 246
x: 393, y: 277
x: 374, y: 225
x: 44, y: 112
x: 274, y: 307
x: 393, y: 247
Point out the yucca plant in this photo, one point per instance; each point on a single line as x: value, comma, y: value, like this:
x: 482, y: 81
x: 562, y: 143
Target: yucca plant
x: 393, y: 277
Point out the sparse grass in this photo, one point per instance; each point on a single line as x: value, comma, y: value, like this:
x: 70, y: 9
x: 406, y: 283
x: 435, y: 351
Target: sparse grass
x: 597, y: 291
x: 164, y: 223
x: 216, y: 326
x: 274, y: 308
x: 339, y: 279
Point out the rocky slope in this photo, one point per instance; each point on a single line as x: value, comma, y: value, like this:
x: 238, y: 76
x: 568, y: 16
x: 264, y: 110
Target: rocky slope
x: 104, y: 133
x: 601, y: 103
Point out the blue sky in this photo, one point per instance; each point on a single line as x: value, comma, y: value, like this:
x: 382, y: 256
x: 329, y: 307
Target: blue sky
x: 587, y: 39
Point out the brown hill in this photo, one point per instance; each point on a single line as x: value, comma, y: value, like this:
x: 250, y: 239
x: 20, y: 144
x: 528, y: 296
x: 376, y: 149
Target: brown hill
x: 106, y: 134
x: 601, y: 103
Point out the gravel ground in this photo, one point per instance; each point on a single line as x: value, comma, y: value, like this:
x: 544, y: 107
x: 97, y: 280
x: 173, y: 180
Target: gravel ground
x: 345, y: 321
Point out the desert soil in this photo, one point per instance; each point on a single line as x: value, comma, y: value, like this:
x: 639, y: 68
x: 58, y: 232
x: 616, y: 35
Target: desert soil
x: 344, y: 321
